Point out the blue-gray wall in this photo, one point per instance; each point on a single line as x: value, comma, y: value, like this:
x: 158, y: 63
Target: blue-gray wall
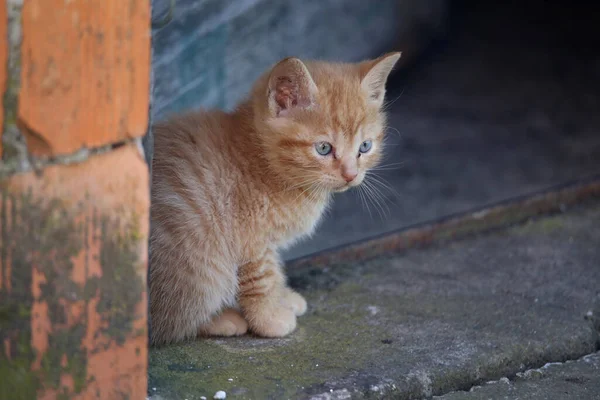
x: 212, y: 50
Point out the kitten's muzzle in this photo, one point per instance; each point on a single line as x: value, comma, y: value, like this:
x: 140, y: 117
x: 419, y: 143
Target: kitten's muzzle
x: 349, y: 176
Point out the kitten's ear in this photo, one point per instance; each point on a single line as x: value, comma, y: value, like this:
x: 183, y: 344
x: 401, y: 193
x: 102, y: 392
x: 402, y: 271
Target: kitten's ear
x: 290, y: 87
x: 374, y: 76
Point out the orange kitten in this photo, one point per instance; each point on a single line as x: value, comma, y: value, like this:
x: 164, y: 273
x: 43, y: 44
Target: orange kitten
x: 231, y: 189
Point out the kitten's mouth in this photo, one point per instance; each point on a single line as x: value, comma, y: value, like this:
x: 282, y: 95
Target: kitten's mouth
x: 348, y: 185
x: 344, y: 187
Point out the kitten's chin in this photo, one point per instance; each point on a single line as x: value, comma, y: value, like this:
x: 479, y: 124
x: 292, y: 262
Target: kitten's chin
x: 348, y: 186
x: 344, y: 188
x: 340, y: 189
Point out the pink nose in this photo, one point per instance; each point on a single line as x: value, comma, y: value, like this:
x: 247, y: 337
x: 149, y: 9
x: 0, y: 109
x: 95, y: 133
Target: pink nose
x: 349, y: 175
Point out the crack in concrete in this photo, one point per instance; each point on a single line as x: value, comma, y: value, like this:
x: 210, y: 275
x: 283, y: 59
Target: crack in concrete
x: 531, y: 373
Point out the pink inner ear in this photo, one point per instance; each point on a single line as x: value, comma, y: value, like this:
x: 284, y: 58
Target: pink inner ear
x: 289, y: 94
x: 286, y: 94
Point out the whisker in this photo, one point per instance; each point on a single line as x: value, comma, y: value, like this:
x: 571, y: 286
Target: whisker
x: 376, y: 198
x: 367, y: 194
x: 364, y: 202
x: 387, y: 167
x: 395, y: 130
x: 317, y: 192
x: 303, y: 192
x: 382, y: 198
x: 297, y: 185
x: 385, y: 185
x: 388, y: 104
x: 379, y: 184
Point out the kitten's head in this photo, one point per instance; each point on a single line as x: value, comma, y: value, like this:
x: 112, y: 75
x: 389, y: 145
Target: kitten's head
x: 322, y: 124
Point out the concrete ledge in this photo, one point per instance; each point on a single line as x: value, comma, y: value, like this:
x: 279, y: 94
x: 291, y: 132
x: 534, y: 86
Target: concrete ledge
x: 417, y: 325
x: 453, y: 227
x: 570, y: 380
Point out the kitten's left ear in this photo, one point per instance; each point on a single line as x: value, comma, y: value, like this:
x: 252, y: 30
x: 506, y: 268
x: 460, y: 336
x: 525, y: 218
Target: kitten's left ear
x: 290, y: 87
x: 374, y: 76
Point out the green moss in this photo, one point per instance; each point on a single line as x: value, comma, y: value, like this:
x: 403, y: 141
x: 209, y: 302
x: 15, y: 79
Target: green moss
x: 66, y: 344
x: 16, y: 379
x: 339, y: 341
x: 46, y: 238
x: 545, y: 225
x: 120, y: 287
x: 10, y: 101
x: 63, y: 396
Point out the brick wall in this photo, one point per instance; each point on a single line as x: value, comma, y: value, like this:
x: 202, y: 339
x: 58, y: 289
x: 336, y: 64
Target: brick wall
x: 74, y: 198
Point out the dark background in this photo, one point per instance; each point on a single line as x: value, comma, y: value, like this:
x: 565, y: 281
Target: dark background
x: 493, y: 100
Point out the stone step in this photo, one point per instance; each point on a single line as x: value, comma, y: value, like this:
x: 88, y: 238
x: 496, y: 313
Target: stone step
x: 424, y: 323
x: 579, y: 379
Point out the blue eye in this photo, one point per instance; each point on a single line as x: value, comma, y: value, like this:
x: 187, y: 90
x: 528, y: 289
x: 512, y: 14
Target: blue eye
x: 365, y: 146
x: 323, y: 148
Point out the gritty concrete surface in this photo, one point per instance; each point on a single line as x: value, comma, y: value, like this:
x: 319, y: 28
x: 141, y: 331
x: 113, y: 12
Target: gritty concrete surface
x: 578, y: 379
x: 424, y: 323
x: 491, y: 114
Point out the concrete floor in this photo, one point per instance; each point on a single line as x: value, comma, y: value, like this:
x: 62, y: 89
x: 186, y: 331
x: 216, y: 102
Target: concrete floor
x: 431, y: 322
x: 574, y: 379
x: 492, y: 113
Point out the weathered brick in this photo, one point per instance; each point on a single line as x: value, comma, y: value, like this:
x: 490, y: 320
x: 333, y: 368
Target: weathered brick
x: 3, y: 61
x: 84, y: 73
x: 73, y: 259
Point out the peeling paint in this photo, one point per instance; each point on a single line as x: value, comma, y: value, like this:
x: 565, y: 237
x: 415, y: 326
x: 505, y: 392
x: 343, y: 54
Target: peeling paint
x: 47, y: 312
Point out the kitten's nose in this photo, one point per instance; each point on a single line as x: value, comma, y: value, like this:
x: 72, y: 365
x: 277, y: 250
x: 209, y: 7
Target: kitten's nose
x: 349, y: 175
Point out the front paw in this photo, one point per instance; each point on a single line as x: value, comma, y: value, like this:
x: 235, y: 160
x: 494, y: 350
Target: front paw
x: 271, y: 320
x: 294, y: 300
x: 229, y: 323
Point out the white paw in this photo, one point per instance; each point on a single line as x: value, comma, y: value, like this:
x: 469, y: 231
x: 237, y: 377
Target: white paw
x: 273, y: 322
x: 295, y: 301
x: 228, y: 323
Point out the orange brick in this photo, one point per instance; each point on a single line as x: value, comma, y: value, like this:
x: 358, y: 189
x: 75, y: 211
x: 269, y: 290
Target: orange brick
x: 73, y: 246
x: 3, y: 61
x: 85, y: 73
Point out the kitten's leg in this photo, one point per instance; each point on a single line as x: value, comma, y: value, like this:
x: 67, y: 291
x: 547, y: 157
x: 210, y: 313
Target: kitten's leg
x: 261, y: 296
x: 228, y: 323
x: 187, y: 292
x: 294, y: 300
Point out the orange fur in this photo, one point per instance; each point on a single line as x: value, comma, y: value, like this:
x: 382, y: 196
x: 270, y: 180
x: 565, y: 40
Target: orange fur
x: 231, y: 189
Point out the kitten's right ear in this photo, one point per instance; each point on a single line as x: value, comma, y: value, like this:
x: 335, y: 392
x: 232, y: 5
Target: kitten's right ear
x: 290, y: 87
